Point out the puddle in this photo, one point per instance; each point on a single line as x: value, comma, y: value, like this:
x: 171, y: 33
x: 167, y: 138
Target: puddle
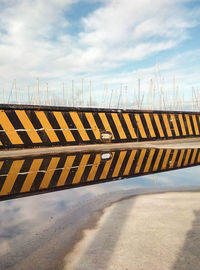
x: 31, y: 226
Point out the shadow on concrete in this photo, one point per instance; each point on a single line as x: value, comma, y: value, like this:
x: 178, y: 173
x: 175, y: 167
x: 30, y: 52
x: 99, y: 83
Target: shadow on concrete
x: 106, y: 238
x: 189, y: 256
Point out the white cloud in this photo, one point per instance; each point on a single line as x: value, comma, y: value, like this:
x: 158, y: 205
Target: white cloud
x: 35, y: 40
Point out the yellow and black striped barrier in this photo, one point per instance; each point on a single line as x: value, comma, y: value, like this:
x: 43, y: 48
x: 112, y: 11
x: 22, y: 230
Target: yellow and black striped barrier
x: 32, y: 175
x: 33, y: 126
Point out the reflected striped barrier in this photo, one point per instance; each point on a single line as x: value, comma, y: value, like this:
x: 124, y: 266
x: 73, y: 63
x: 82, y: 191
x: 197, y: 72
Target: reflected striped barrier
x: 35, y: 126
x: 32, y: 175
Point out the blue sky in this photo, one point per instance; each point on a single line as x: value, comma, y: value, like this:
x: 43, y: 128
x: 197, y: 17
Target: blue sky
x: 106, y: 41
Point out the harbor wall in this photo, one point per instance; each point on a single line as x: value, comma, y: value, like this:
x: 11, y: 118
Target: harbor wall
x: 24, y: 126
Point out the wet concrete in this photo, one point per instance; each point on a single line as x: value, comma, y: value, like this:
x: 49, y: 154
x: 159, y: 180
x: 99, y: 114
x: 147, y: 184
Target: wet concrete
x: 44, y: 231
x: 159, y: 231
x: 175, y: 144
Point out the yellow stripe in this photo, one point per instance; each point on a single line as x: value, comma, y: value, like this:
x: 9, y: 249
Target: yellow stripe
x: 47, y: 126
x: 166, y: 158
x: 107, y: 167
x: 63, y: 125
x: 195, y: 124
x: 167, y: 126
x: 173, y: 158
x: 118, y: 126
x: 93, y: 125
x: 9, y: 129
x: 140, y: 160
x: 158, y: 124
x: 130, y: 162
x: 188, y: 124
x: 182, y: 124
x: 149, y: 160
x: 175, y: 125
x: 155, y: 167
x: 105, y: 123
x: 66, y: 170
x: 140, y: 126
x: 33, y: 135
x: 129, y: 125
x: 198, y: 120
x: 149, y: 124
x: 180, y: 158
x: 119, y: 163
x: 12, y: 176
x: 187, y: 157
x: 81, y: 169
x: 94, y: 168
x: 76, y: 119
x: 0, y: 143
x: 1, y: 164
x: 193, y: 156
x: 35, y: 166
x: 198, y: 159
x: 49, y: 173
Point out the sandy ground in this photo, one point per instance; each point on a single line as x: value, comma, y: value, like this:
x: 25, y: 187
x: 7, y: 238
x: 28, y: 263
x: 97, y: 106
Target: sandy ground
x: 175, y: 144
x: 146, y: 232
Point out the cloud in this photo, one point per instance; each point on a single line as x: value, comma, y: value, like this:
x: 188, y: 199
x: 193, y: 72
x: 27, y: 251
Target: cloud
x: 37, y: 39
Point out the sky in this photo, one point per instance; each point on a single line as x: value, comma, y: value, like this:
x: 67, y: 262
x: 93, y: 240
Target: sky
x: 109, y: 42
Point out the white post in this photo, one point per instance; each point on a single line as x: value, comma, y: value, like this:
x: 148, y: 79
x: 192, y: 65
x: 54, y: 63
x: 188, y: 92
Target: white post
x: 72, y: 93
x: 90, y: 94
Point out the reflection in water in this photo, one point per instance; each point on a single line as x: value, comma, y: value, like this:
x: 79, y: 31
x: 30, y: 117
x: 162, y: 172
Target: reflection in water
x: 20, y: 177
x: 39, y: 228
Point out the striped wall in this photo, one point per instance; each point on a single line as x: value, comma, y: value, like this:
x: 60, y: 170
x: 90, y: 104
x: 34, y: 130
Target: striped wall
x: 19, y: 177
x: 33, y: 126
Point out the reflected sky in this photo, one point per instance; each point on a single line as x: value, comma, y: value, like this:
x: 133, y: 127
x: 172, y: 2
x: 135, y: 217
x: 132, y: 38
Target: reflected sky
x: 25, y: 220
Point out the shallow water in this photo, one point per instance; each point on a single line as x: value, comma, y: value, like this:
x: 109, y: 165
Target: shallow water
x: 31, y: 226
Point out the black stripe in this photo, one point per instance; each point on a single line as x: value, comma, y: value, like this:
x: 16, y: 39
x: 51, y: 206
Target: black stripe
x: 155, y: 127
x: 192, y: 125
x: 88, y: 168
x: 171, y: 126
x: 73, y: 171
x: 186, y: 126
x: 40, y: 175
x: 42, y: 133
x: 126, y: 130
x: 178, y: 125
x: 4, y: 171
x: 135, y: 162
x: 20, y: 179
x: 71, y: 125
x: 145, y: 161
x: 135, y: 125
x: 191, y: 156
x: 113, y: 165
x: 161, y: 161
x: 163, y: 125
x: 113, y: 127
x: 98, y: 121
x: 153, y: 160
x: 4, y: 138
x: 124, y: 126
x: 86, y: 125
x: 18, y: 125
x: 53, y: 122
x: 58, y: 172
x: 144, y: 123
x: 198, y: 126
x: 100, y: 170
x: 196, y: 158
x: 123, y: 166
